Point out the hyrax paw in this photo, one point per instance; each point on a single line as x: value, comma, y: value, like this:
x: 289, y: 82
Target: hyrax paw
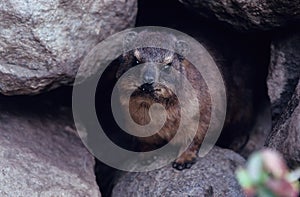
x: 182, y: 166
x: 184, y: 162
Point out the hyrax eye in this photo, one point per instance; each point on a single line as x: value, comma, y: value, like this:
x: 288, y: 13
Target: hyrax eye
x: 136, y: 62
x: 167, y: 67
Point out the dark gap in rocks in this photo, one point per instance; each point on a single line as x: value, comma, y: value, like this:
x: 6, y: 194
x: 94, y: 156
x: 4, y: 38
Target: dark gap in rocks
x: 104, y: 112
x: 44, y: 102
x: 229, y: 48
x: 106, y: 175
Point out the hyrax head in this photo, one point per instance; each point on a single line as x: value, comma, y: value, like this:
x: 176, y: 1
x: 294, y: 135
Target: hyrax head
x: 156, y: 61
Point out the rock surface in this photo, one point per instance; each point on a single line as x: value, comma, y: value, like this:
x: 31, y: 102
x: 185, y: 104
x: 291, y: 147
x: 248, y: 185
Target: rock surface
x: 249, y: 14
x: 43, y: 42
x: 285, y: 135
x: 284, y: 92
x: 284, y: 71
x: 212, y: 175
x: 40, y: 155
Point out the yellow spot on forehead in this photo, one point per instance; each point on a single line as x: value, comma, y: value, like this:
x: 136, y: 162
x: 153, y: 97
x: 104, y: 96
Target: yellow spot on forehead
x: 137, y: 54
x: 168, y: 59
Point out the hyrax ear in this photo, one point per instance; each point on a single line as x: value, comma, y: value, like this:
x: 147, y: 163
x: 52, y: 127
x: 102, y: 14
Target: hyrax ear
x: 182, y: 47
x: 128, y: 41
x: 124, y: 63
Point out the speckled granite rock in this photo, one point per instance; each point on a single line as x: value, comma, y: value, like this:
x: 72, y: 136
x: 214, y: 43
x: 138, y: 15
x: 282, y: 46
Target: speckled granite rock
x: 284, y: 71
x: 40, y: 155
x: 249, y: 14
x: 212, y: 175
x: 43, y: 42
x: 285, y: 136
x: 284, y: 92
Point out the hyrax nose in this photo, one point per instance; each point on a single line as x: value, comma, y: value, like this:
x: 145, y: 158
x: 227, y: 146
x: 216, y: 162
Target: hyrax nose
x: 149, y: 76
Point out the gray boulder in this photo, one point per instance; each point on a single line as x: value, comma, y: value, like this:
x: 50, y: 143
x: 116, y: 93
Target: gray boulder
x: 285, y: 134
x: 42, y: 43
x: 249, y: 14
x: 284, y: 71
x: 284, y: 92
x: 212, y: 175
x: 40, y: 155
